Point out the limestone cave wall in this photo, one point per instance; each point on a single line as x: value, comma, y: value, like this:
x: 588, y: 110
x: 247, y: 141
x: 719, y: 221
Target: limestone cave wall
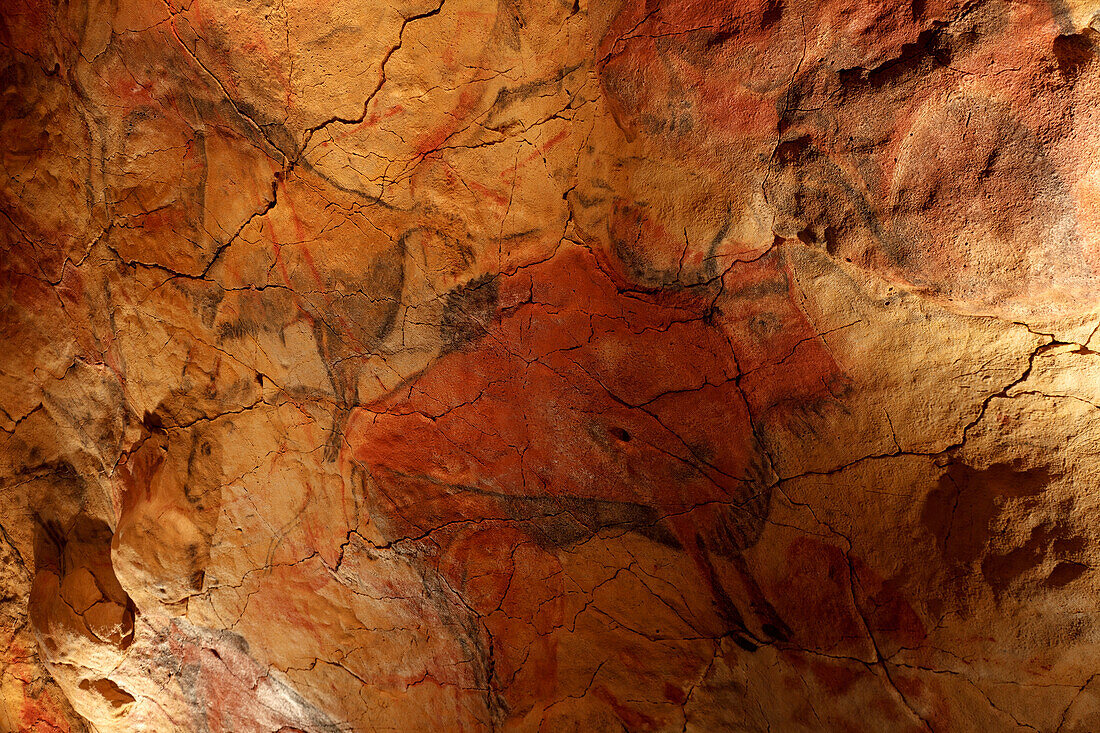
x: 549, y: 365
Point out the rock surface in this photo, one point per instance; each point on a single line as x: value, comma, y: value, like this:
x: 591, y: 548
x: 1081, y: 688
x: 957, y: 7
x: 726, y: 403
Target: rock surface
x: 546, y: 366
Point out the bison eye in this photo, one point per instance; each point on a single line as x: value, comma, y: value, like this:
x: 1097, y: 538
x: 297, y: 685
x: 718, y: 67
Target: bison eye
x: 620, y: 434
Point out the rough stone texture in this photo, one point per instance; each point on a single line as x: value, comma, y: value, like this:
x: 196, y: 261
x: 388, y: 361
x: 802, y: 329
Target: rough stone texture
x: 550, y: 365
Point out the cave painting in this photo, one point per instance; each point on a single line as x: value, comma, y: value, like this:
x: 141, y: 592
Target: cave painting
x: 571, y: 403
x: 549, y: 365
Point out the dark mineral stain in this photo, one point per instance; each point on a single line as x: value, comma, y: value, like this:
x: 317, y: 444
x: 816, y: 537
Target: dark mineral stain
x: 467, y: 311
x: 744, y: 644
x: 775, y: 632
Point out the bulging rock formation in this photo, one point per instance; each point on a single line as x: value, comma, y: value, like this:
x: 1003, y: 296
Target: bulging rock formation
x: 573, y: 365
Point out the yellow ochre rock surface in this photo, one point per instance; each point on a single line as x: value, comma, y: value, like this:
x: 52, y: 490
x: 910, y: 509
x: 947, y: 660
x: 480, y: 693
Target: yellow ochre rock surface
x: 553, y: 365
